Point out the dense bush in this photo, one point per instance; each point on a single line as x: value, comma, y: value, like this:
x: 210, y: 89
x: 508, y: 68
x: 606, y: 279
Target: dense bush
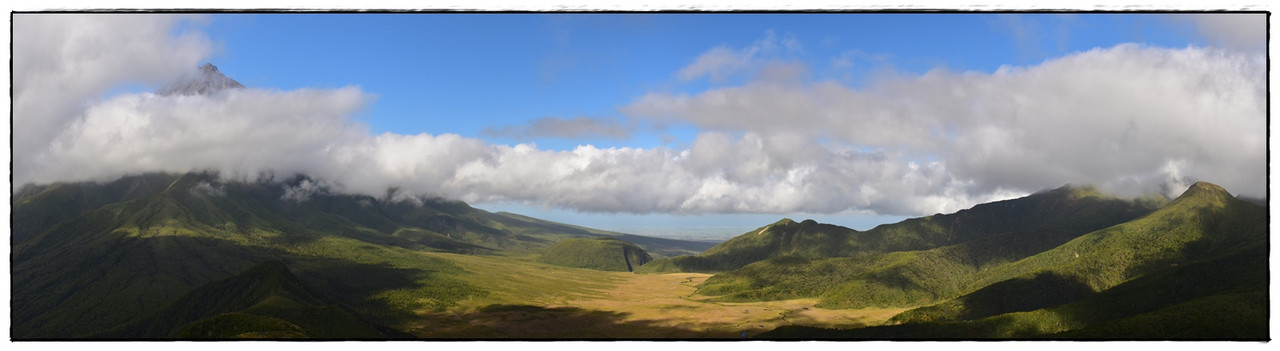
x: 606, y: 254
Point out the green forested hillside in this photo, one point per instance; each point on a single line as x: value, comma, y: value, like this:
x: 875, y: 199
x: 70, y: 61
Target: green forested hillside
x: 878, y: 268
x: 606, y: 254
x: 1005, y: 231
x: 126, y: 249
x: 192, y: 256
x: 1195, y: 268
x: 780, y: 238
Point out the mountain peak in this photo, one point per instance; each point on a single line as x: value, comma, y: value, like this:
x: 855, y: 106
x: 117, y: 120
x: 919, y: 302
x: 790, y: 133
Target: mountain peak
x: 1207, y: 186
x: 1201, y: 192
x: 1205, y: 189
x: 208, y: 81
x: 208, y: 68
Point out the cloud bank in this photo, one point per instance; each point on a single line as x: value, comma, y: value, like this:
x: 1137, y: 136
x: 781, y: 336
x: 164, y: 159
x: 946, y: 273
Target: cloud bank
x: 1128, y: 118
x: 63, y: 64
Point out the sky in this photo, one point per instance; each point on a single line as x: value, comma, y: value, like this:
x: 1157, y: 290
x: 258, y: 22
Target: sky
x: 691, y: 124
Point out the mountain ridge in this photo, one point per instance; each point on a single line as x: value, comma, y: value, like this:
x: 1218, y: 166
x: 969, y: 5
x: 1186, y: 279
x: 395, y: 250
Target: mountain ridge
x: 994, y: 219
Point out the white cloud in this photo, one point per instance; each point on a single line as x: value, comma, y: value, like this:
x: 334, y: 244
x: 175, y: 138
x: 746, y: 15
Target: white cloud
x: 1127, y: 117
x: 240, y: 132
x: 1238, y: 31
x: 722, y: 62
x: 63, y: 63
x: 1111, y: 117
x: 303, y: 191
x: 205, y: 189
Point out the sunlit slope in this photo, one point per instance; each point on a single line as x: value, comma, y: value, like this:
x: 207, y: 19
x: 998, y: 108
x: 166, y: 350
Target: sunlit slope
x: 1183, y: 271
x: 1205, y: 223
x: 1225, y: 298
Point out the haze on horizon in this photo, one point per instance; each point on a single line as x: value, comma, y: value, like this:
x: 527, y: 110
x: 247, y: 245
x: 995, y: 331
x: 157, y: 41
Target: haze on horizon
x: 778, y: 118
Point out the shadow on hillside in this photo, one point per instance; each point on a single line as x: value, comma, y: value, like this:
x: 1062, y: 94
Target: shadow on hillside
x: 1232, y: 274
x: 537, y: 322
x: 1023, y: 294
x: 357, y: 286
x: 1231, y: 229
x: 118, y: 278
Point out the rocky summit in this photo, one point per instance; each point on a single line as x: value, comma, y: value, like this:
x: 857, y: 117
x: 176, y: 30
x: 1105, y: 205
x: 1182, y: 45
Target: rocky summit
x: 207, y: 81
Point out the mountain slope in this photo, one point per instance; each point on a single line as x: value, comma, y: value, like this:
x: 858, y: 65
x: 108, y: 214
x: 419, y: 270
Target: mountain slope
x: 780, y: 238
x: 1204, y: 222
x: 100, y: 261
x: 124, y: 248
x: 1225, y: 298
x: 237, y: 307
x: 880, y: 268
x: 36, y: 208
x: 1178, y: 272
x: 1012, y: 229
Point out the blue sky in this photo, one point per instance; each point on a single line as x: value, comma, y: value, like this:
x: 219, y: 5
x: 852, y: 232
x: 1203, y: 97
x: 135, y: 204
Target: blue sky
x: 451, y: 73
x: 462, y: 73
x: 693, y: 119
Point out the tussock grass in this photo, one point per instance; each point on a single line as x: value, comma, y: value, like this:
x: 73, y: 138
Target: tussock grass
x: 629, y: 306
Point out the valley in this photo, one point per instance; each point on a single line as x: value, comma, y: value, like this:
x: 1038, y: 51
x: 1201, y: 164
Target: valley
x: 192, y: 256
x: 588, y: 304
x: 670, y: 174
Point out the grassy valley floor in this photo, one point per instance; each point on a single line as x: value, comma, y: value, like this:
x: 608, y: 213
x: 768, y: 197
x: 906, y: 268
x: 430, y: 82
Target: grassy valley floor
x: 528, y: 300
